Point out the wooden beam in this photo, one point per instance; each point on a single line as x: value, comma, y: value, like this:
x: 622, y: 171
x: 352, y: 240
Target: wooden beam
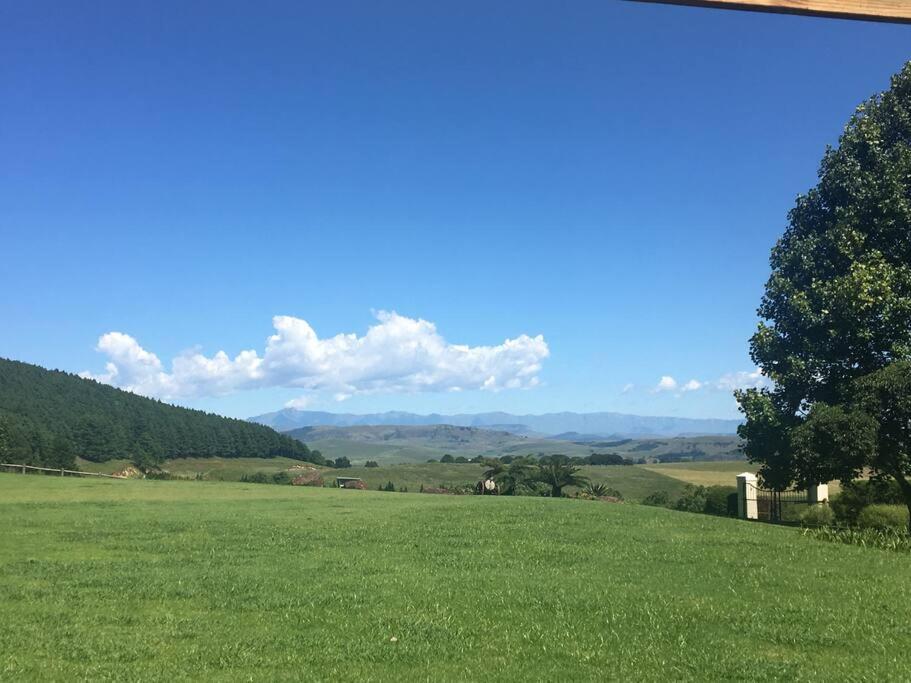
x: 898, y: 11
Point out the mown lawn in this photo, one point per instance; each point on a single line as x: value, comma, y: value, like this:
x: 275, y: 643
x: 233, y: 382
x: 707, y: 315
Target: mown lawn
x: 146, y: 580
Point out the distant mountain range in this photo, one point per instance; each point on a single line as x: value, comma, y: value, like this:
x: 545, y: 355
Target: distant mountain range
x: 589, y: 426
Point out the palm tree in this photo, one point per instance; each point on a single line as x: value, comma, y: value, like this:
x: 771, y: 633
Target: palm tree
x: 510, y: 477
x: 557, y: 472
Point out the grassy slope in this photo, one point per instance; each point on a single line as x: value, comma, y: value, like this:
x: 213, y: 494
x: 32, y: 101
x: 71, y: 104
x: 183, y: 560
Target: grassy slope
x: 633, y: 482
x: 132, y: 580
x: 704, y: 473
x: 710, y: 473
x: 415, y: 449
x: 403, y: 451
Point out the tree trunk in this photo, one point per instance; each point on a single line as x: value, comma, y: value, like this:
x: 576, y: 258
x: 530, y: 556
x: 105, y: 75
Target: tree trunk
x: 556, y: 491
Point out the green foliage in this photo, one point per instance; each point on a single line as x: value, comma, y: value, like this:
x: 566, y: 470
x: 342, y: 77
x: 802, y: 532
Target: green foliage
x: 257, y: 478
x: 371, y: 463
x: 836, y: 332
x: 883, y: 539
x: 718, y: 501
x: 709, y: 500
x: 607, y: 459
x: 342, y: 463
x: 692, y: 499
x: 817, y: 516
x: 600, y: 490
x: 856, y: 495
x: 883, y: 517
x: 513, y: 477
x: 447, y: 459
x: 657, y: 499
x: 282, y: 477
x: 557, y: 472
x: 50, y: 417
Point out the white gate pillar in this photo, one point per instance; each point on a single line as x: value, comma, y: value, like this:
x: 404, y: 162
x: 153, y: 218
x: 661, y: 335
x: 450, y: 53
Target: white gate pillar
x: 818, y: 494
x: 747, y: 508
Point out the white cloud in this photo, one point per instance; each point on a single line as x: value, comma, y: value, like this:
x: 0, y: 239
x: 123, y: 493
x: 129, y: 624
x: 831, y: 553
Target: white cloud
x: 753, y: 379
x: 628, y: 388
x: 728, y: 382
x: 692, y: 385
x: 300, y: 402
x: 666, y: 383
x: 396, y: 355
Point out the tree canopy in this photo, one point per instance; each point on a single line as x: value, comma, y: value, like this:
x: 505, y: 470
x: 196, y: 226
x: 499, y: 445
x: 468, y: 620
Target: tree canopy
x: 836, y: 314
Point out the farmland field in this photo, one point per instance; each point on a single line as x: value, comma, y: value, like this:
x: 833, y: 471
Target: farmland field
x: 703, y: 473
x: 634, y: 482
x: 144, y: 580
x: 711, y: 473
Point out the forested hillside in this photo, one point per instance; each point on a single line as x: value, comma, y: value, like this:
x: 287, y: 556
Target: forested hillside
x: 50, y: 417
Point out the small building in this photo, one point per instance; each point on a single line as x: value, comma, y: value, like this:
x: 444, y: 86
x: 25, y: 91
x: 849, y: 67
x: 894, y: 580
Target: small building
x: 350, y: 483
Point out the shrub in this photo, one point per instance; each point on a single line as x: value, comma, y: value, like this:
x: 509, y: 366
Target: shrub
x: 857, y: 495
x: 372, y: 463
x: 531, y: 488
x: 281, y: 478
x: 256, y: 478
x: 716, y: 500
x: 692, y: 499
x: 893, y: 517
x: 817, y: 516
x: 657, y: 499
x: 594, y: 491
x: 388, y: 487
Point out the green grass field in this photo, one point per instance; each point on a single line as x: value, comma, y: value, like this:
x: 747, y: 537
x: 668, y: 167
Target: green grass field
x: 634, y: 482
x: 150, y: 580
x: 703, y: 473
x: 711, y: 473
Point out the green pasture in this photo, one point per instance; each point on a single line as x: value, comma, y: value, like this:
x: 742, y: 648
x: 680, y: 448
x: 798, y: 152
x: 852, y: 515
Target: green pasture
x: 634, y: 482
x: 151, y: 580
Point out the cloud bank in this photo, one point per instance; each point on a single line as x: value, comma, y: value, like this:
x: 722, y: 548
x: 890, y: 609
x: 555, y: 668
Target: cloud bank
x: 753, y: 379
x: 396, y: 355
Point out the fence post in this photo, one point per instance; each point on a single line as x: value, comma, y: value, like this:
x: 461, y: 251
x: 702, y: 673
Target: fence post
x: 747, y: 507
x: 818, y: 494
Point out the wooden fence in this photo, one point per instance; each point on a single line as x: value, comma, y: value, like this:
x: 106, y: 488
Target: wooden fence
x: 54, y: 470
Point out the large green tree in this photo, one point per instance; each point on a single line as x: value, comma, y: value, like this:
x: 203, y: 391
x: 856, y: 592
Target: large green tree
x: 837, y: 307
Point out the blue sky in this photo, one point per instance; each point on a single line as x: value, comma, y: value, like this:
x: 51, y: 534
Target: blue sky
x: 608, y: 175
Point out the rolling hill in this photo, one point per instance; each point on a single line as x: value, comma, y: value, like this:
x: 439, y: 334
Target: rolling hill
x: 602, y: 425
x: 389, y: 444
x: 49, y: 417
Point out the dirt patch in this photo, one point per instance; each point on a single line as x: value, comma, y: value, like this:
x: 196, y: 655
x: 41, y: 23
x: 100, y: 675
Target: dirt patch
x: 309, y: 478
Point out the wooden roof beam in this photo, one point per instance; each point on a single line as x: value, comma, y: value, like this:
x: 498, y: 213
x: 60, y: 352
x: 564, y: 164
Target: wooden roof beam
x: 897, y: 11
